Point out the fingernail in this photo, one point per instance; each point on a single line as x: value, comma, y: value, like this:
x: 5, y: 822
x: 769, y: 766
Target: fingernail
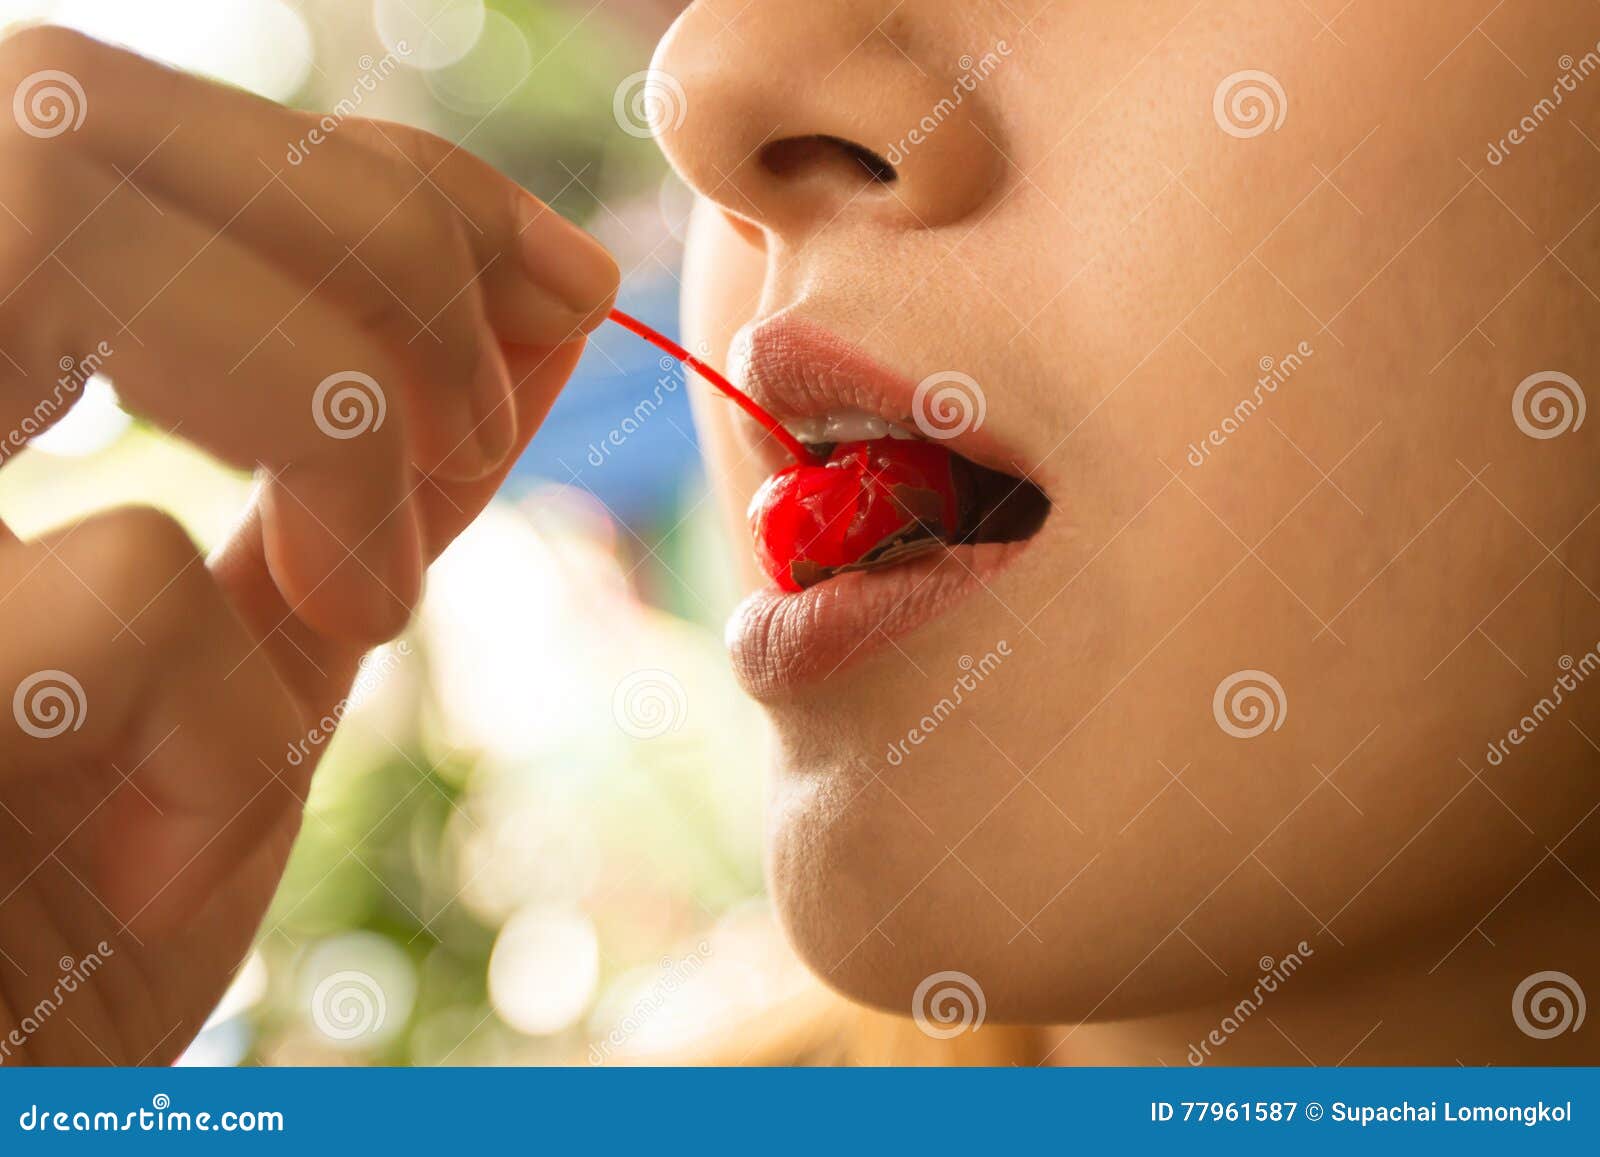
x: 565, y: 261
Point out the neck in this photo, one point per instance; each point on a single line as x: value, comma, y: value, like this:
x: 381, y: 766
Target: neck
x: 1447, y: 999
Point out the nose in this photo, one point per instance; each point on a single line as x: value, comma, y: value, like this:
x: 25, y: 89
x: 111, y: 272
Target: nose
x: 796, y: 116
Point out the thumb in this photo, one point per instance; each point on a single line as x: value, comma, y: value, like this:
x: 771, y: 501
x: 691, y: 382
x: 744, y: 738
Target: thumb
x: 146, y: 735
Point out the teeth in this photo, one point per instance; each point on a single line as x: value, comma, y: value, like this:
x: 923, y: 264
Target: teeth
x: 807, y: 430
x: 854, y: 427
x: 845, y: 426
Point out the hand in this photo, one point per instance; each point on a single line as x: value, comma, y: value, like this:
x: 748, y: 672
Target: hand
x: 146, y: 803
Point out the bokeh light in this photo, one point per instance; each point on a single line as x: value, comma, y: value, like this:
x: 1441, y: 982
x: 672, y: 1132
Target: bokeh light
x: 544, y: 970
x: 490, y: 71
x: 429, y: 33
x: 355, y: 990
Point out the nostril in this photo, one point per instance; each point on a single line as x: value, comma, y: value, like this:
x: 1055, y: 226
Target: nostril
x: 794, y: 156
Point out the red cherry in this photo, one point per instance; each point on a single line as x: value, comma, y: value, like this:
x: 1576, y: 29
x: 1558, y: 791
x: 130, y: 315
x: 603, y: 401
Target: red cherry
x: 866, y: 500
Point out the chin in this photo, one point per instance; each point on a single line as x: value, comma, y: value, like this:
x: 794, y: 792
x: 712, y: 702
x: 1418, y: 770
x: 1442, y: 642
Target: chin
x: 876, y: 908
x: 886, y: 872
x: 953, y: 859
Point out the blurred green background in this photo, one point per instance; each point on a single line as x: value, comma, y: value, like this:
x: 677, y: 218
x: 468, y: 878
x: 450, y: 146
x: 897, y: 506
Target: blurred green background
x: 536, y: 837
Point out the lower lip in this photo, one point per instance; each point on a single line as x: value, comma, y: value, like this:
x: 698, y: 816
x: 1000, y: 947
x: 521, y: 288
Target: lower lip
x: 780, y: 642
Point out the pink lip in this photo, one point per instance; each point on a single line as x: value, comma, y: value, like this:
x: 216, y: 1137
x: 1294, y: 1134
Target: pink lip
x: 796, y: 369
x: 781, y: 641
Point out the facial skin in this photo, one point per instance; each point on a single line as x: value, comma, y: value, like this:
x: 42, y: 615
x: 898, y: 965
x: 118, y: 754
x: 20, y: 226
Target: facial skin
x: 1084, y: 239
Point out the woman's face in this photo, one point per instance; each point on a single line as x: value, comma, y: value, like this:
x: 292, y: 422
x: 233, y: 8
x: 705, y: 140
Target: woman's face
x: 1311, y: 551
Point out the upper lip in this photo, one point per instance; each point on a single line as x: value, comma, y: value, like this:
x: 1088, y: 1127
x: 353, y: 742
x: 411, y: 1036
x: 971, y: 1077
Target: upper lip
x: 795, y: 368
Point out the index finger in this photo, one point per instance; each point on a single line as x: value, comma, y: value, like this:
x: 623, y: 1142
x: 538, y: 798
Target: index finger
x: 266, y: 173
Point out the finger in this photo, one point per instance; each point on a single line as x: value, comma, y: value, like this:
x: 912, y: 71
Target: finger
x: 530, y: 256
x: 195, y: 775
x: 263, y: 375
x: 320, y: 668
x: 229, y: 149
x: 445, y: 509
x: 390, y: 254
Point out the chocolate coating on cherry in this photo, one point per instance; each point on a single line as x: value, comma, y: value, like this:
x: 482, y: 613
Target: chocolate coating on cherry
x: 870, y: 504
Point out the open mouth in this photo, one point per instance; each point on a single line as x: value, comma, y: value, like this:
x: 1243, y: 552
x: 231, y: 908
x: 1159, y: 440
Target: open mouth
x: 894, y: 524
x: 879, y: 496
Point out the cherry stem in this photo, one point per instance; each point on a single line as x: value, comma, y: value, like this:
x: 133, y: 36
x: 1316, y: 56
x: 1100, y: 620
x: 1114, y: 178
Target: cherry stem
x: 774, y: 427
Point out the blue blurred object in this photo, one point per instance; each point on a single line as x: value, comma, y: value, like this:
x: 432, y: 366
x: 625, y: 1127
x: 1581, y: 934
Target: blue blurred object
x: 621, y: 429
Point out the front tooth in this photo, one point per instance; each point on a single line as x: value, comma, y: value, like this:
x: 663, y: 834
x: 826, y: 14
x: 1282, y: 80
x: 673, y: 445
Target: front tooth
x: 846, y: 426
x: 807, y: 430
x: 854, y: 426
